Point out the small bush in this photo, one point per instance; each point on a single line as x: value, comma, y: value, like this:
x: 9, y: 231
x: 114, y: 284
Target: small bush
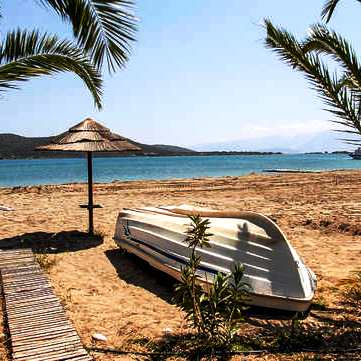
x: 319, y: 304
x: 297, y: 336
x: 99, y: 234
x: 45, y: 261
x: 352, y: 293
x: 214, y: 310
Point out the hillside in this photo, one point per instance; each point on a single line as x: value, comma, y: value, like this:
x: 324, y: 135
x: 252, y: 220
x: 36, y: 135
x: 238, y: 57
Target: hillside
x: 15, y: 146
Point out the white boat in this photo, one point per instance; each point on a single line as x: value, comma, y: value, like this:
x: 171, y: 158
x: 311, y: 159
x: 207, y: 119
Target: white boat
x: 356, y: 154
x: 276, y: 274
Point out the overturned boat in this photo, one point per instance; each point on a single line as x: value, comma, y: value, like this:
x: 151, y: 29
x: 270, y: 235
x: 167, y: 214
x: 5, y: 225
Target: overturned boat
x: 276, y: 274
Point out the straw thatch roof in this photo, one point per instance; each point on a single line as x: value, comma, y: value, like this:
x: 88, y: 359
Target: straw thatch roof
x: 89, y: 136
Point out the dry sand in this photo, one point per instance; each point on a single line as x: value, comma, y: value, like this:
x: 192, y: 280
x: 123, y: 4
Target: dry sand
x: 112, y: 293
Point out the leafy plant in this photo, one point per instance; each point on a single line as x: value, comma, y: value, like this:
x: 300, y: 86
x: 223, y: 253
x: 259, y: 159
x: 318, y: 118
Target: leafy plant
x: 296, y: 336
x: 214, y: 309
x: 45, y: 261
x: 319, y: 303
x: 103, y: 31
x: 352, y: 293
x: 340, y: 90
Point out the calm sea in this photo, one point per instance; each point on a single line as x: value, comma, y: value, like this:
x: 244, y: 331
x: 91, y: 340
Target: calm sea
x: 57, y: 171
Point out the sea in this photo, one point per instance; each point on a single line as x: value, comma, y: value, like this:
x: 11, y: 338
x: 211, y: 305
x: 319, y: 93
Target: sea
x: 25, y: 172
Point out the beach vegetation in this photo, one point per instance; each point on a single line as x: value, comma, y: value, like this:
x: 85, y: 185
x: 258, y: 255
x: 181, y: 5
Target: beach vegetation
x: 319, y: 303
x: 214, y: 310
x: 338, y: 84
x: 352, y: 293
x: 45, y: 261
x: 99, y: 234
x: 102, y: 33
x: 296, y: 335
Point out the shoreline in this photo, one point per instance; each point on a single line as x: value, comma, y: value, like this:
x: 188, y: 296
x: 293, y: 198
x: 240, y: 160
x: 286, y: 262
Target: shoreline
x: 190, y: 154
x: 265, y: 172
x: 186, y: 154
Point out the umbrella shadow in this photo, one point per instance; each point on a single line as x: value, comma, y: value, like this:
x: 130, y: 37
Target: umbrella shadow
x: 48, y: 242
x: 136, y: 271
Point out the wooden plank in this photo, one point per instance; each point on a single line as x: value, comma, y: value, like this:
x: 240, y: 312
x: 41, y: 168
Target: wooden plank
x: 35, y: 314
x: 54, y: 356
x: 36, y: 340
x: 27, y: 293
x: 42, y: 301
x: 29, y: 324
x: 35, y: 317
x: 45, y: 298
x: 40, y: 325
x: 43, y: 336
x: 39, y: 328
x: 26, y: 307
x: 29, y: 277
x: 39, y: 307
x: 43, y: 343
x: 42, y: 331
x: 45, y: 349
x: 19, y: 269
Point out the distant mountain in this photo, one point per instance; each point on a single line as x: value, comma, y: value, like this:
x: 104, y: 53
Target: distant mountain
x: 170, y: 148
x: 302, y: 143
x: 16, y: 146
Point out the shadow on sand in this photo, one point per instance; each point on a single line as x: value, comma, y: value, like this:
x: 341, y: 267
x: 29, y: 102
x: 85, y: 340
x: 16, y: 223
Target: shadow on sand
x: 189, y: 346
x: 47, y: 242
x: 134, y: 270
x: 138, y: 272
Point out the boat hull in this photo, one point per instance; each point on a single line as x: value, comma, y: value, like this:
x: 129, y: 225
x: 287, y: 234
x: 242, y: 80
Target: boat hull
x: 278, y: 278
x: 264, y: 301
x: 355, y: 156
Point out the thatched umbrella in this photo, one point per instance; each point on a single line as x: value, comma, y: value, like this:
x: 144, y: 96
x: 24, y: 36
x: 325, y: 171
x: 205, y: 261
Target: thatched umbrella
x: 89, y: 136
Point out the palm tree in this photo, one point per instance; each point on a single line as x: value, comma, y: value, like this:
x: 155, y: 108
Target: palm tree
x: 103, y: 32
x: 329, y: 8
x: 339, y: 89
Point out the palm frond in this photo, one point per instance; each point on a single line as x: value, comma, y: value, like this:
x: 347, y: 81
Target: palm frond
x: 104, y: 28
x: 324, y: 41
x: 329, y: 8
x: 28, y: 54
x: 340, y: 100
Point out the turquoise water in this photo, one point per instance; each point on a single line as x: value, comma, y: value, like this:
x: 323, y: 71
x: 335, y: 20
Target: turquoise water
x: 57, y: 171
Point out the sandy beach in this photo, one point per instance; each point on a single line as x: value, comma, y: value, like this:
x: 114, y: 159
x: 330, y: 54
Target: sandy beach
x: 105, y: 290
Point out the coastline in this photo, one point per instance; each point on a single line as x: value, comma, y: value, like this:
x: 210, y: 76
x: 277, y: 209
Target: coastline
x: 106, y: 170
x: 170, y: 154
x: 133, y: 183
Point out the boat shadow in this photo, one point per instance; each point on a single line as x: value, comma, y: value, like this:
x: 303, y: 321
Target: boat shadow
x: 52, y: 242
x: 138, y: 272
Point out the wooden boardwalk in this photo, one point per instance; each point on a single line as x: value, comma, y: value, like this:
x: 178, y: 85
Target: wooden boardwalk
x: 39, y: 328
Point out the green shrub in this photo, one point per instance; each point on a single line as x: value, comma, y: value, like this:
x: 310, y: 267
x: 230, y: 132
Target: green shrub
x: 45, y: 261
x: 352, y: 293
x: 319, y: 303
x: 296, y: 336
x: 214, y: 310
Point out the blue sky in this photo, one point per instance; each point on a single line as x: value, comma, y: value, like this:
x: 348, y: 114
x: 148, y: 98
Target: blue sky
x: 199, y: 73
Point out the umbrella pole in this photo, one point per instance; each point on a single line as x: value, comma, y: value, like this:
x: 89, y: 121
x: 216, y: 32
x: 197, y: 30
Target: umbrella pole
x: 90, y: 194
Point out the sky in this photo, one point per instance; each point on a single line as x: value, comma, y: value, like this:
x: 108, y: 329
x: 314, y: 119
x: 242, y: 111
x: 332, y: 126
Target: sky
x: 199, y: 73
